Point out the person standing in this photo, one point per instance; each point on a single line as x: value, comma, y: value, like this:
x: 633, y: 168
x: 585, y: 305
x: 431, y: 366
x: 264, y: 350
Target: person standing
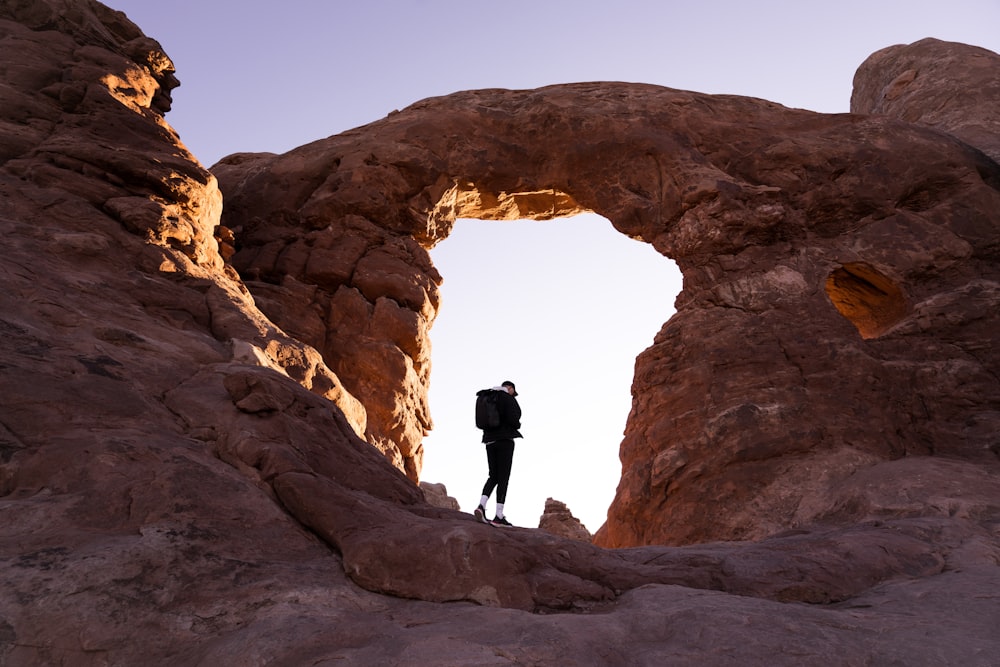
x: 500, y: 452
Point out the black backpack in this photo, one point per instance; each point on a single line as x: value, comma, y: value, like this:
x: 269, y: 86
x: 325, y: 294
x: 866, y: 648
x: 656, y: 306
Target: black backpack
x: 487, y: 409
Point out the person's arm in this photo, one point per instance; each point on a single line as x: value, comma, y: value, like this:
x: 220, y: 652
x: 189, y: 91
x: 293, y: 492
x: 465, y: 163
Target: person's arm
x: 512, y: 411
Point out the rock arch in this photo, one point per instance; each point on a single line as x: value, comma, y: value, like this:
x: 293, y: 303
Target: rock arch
x: 741, y: 403
x: 156, y: 424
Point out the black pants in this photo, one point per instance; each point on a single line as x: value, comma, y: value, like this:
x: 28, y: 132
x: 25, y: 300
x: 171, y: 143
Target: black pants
x: 500, y: 455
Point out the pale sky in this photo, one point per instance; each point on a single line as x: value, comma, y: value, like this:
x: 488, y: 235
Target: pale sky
x: 566, y: 325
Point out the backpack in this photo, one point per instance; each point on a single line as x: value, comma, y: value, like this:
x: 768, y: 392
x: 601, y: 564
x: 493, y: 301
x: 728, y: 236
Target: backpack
x: 487, y: 409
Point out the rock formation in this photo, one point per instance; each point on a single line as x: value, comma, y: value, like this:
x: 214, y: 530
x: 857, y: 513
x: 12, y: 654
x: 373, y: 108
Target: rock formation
x: 437, y: 495
x: 193, y: 453
x: 938, y: 84
x: 840, y: 278
x: 558, y: 520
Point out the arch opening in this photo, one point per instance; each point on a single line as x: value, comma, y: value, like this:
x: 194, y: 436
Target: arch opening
x: 562, y: 308
x: 867, y: 298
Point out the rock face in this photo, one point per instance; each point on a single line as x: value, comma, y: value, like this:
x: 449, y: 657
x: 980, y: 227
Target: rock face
x: 558, y: 520
x: 952, y: 87
x: 840, y: 280
x: 184, y: 472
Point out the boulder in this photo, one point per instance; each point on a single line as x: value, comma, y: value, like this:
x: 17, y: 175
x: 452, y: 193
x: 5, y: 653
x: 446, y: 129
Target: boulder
x: 948, y: 86
x: 437, y: 495
x: 557, y: 519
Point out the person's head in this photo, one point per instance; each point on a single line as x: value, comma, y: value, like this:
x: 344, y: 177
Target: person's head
x: 509, y: 386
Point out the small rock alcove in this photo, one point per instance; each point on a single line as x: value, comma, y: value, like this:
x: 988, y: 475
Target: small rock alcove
x: 871, y: 301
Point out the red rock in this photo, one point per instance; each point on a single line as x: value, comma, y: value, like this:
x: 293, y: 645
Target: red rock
x: 820, y: 255
x: 951, y: 87
x: 558, y: 520
x: 182, y: 479
x: 437, y: 495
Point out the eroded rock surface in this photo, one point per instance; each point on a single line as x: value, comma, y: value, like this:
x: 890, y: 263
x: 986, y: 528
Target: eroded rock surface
x: 559, y: 520
x: 183, y: 474
x: 437, y: 494
x: 952, y: 87
x: 840, y: 278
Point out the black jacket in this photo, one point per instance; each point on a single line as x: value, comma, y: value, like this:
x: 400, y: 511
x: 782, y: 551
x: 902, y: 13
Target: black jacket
x: 510, y: 419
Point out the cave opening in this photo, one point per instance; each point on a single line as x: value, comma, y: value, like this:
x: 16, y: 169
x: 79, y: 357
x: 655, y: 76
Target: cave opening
x: 870, y: 300
x: 562, y: 307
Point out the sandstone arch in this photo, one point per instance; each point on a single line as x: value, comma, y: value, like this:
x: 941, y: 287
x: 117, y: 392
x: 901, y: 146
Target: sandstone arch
x: 738, y: 400
x: 166, y: 470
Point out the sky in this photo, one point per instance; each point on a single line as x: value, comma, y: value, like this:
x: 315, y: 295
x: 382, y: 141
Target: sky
x: 561, y: 307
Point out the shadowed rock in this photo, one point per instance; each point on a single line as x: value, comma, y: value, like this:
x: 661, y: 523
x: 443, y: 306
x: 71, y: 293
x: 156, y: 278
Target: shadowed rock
x: 184, y: 471
x: 952, y: 87
x: 840, y: 280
